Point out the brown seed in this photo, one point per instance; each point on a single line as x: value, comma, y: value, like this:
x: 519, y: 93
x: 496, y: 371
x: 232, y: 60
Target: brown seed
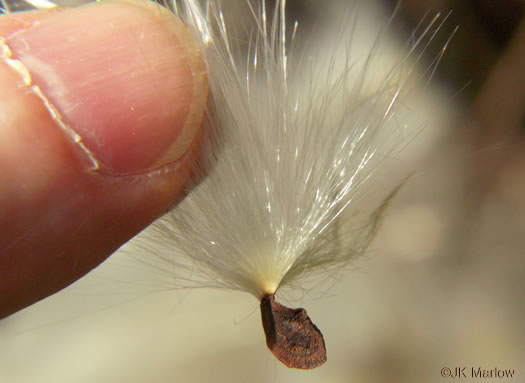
x: 291, y: 336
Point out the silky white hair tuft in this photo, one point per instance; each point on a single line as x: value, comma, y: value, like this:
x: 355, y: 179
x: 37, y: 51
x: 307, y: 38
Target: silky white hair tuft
x: 292, y: 142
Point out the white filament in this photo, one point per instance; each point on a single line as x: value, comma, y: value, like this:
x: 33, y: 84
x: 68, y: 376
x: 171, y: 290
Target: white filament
x: 289, y: 147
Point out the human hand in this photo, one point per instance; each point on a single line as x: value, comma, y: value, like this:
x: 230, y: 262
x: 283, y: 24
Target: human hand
x: 118, y: 85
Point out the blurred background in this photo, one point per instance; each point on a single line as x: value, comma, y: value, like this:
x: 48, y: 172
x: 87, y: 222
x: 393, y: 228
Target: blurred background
x: 441, y: 286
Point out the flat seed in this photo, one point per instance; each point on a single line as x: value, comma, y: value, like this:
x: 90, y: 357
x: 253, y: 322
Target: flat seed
x: 291, y: 336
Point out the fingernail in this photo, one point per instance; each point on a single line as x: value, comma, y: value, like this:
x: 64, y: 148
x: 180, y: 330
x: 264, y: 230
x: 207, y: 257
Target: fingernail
x: 126, y: 77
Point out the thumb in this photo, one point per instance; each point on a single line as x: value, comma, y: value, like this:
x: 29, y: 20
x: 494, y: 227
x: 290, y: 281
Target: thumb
x: 100, y: 116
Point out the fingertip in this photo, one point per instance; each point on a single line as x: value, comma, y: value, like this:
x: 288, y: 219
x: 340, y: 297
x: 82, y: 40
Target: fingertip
x: 124, y: 79
x: 103, y: 116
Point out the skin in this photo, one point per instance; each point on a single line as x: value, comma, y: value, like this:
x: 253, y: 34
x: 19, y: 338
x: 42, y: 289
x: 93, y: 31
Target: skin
x: 101, y: 109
